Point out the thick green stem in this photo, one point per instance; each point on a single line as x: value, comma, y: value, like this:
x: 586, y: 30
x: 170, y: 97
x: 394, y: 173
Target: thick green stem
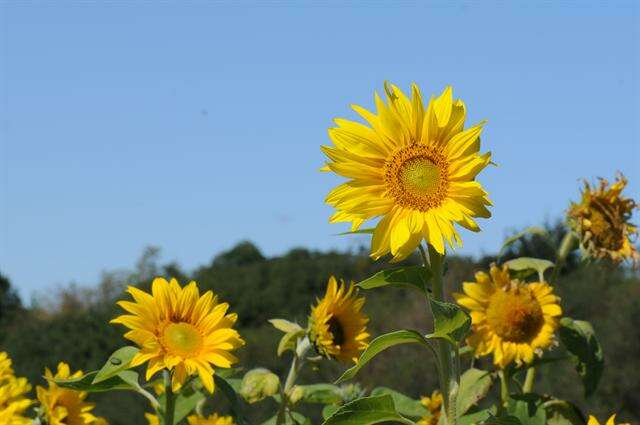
x: 566, y: 246
x: 170, y: 404
x: 529, y: 380
x: 449, y: 382
x: 302, y: 348
x: 504, y: 390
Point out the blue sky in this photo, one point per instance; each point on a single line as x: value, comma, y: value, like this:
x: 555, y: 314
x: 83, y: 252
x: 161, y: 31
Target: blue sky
x: 193, y: 125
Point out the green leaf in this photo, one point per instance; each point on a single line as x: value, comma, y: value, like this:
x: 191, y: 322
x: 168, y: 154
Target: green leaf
x: 476, y: 417
x: 321, y: 393
x: 294, y: 418
x: 527, y: 263
x: 367, y: 411
x: 288, y: 341
x: 234, y: 401
x: 527, y: 408
x: 258, y: 384
x: 405, y: 405
x: 368, y: 231
x: 329, y: 410
x: 121, y: 381
x: 540, y: 231
x: 451, y: 323
x: 560, y: 412
x: 118, y: 361
x: 585, y: 351
x: 502, y: 420
x: 380, y: 344
x: 285, y: 325
x: 474, y: 386
x: 416, y: 277
x: 185, y: 404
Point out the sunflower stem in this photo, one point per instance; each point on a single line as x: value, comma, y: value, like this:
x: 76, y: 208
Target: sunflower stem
x: 302, y: 348
x: 504, y: 390
x: 529, y: 380
x: 566, y: 246
x: 170, y: 404
x: 449, y: 381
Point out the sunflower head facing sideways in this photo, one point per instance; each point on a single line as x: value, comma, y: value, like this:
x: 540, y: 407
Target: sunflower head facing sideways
x: 61, y: 406
x: 414, y: 167
x: 13, y: 395
x: 602, y: 221
x: 180, y: 330
x: 337, y: 325
x: 611, y: 421
x: 434, y: 406
x: 511, y: 319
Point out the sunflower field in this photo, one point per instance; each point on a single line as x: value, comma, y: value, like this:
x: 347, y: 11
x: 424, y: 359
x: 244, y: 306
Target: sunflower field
x: 404, y: 331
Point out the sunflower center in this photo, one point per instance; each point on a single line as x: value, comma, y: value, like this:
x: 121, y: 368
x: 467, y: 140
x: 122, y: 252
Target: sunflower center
x: 514, y: 314
x: 337, y: 331
x: 605, y: 233
x: 416, y: 176
x: 182, y: 339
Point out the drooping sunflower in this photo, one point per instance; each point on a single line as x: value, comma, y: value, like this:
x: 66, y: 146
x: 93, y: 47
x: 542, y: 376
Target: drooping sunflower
x: 413, y: 167
x: 610, y: 421
x: 179, y: 330
x: 213, y: 419
x: 13, y: 392
x: 434, y: 406
x: 61, y: 406
x: 511, y: 319
x: 337, y: 325
x: 602, y: 221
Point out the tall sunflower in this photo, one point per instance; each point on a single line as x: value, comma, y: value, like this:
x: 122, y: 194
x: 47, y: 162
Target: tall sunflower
x: 61, y: 406
x: 602, y: 221
x: 13, y: 395
x: 180, y: 330
x: 413, y: 167
x: 511, y: 319
x: 610, y: 421
x: 434, y: 406
x: 337, y: 325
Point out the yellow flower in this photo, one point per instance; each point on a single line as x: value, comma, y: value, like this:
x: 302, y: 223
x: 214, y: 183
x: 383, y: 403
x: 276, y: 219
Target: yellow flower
x: 413, y: 167
x: 511, y: 319
x: 337, y: 326
x: 433, y: 405
x: 611, y: 421
x: 61, y: 406
x: 601, y: 220
x: 210, y: 420
x: 180, y: 330
x: 152, y: 419
x: 13, y: 390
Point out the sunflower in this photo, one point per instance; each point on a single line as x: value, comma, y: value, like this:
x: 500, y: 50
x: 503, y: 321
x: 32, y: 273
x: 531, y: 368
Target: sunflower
x: 210, y: 420
x: 152, y: 419
x: 434, y: 406
x: 61, y: 406
x: 180, y: 330
x: 13, y: 390
x: 610, y: 421
x: 511, y: 319
x: 337, y: 326
x: 413, y: 167
x: 601, y: 220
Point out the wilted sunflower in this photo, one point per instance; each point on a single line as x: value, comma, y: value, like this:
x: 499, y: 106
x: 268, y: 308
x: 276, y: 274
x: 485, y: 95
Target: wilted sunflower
x: 337, y: 325
x: 61, y: 406
x: 601, y: 220
x: 210, y: 420
x: 434, y: 406
x: 511, y: 319
x: 179, y: 330
x: 610, y: 421
x: 413, y: 167
x: 13, y: 391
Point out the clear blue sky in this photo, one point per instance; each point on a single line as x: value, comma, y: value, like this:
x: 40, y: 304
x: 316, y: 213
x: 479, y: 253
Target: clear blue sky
x: 193, y: 125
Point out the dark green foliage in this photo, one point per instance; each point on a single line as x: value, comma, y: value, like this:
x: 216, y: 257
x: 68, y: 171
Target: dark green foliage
x: 75, y: 328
